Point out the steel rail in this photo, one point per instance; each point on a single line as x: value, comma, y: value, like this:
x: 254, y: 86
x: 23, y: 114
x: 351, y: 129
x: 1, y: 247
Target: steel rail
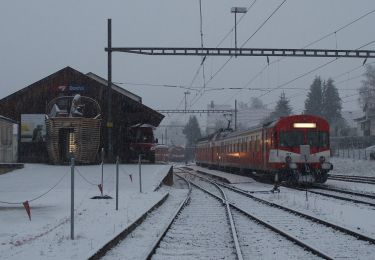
x: 156, y: 244
x: 271, y: 227
x: 230, y: 219
x: 122, y: 235
x: 359, y: 194
x: 328, y: 224
x: 231, y: 222
x: 298, y: 213
x: 337, y: 196
x: 353, y: 178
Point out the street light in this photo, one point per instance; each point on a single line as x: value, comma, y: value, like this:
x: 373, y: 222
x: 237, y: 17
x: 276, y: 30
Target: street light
x: 235, y: 10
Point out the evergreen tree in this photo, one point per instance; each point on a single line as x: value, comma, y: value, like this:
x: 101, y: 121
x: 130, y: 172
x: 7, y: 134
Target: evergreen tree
x: 331, y: 106
x: 282, y: 109
x: 192, y: 133
x: 314, y: 100
x: 257, y: 103
x: 367, y: 90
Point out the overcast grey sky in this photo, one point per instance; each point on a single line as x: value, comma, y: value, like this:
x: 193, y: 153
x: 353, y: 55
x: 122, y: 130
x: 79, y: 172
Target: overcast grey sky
x: 40, y: 37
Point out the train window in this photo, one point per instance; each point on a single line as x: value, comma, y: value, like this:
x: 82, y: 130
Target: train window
x: 291, y: 138
x: 317, y: 139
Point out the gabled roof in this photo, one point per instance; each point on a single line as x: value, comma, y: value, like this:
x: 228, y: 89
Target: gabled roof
x: 3, y: 118
x: 115, y: 87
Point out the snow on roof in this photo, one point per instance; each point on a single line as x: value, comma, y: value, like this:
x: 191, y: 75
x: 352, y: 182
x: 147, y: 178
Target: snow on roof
x: 3, y: 118
x: 115, y: 87
x: 351, y: 116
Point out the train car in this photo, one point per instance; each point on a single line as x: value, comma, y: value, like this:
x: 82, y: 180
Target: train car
x: 176, y: 154
x: 141, y: 141
x: 161, y: 153
x: 295, y: 148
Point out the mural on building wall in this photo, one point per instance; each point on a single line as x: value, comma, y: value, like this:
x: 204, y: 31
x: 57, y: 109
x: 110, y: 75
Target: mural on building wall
x: 33, y: 128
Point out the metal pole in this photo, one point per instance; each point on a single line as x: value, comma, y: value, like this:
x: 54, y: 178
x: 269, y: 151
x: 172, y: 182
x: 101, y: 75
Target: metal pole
x: 235, y: 114
x: 140, y: 173
x: 166, y: 136
x: 72, y: 198
x: 117, y: 163
x: 235, y: 31
x: 109, y: 104
x: 102, y: 155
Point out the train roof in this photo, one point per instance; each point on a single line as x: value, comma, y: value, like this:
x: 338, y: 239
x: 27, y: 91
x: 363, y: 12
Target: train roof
x: 227, y: 133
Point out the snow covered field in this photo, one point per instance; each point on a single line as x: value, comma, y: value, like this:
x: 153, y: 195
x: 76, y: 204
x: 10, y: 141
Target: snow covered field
x: 47, y: 235
x: 352, y: 167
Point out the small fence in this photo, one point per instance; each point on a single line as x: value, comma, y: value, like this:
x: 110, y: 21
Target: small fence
x: 353, y: 153
x: 353, y: 147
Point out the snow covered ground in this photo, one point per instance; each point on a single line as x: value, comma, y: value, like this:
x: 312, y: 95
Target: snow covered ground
x: 47, y: 235
x: 352, y: 167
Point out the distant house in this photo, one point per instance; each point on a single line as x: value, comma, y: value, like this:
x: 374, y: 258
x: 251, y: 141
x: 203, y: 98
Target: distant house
x: 366, y: 123
x: 8, y: 140
x: 350, y: 119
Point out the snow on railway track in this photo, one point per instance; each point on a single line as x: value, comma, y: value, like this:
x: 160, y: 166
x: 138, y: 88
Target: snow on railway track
x: 356, y: 197
x: 338, y: 241
x: 259, y: 240
x: 352, y: 178
x: 141, y: 241
x: 201, y: 231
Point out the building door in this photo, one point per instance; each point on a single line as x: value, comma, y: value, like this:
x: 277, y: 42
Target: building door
x: 67, y: 143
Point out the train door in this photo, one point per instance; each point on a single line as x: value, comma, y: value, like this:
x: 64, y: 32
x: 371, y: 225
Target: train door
x: 264, y: 148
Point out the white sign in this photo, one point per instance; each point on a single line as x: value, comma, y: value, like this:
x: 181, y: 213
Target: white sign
x: 33, y: 128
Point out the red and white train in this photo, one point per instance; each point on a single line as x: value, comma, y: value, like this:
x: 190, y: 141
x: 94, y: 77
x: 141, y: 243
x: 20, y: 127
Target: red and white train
x: 295, y: 148
x: 164, y: 153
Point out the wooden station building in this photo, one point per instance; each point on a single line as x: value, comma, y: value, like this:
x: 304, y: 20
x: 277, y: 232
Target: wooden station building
x: 28, y: 106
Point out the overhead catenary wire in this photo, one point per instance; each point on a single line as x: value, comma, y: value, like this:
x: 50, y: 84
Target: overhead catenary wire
x: 306, y: 46
x: 200, y: 94
x: 222, y: 40
x: 309, y: 72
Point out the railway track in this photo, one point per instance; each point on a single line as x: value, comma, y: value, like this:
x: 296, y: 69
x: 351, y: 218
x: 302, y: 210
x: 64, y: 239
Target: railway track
x: 141, y: 242
x: 327, y: 237
x: 343, y: 194
x: 199, y: 232
x: 352, y: 178
x: 195, y: 230
x: 257, y: 238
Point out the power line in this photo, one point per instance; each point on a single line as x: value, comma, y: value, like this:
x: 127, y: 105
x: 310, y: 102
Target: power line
x: 261, y: 26
x: 222, y: 40
x: 309, y: 72
x: 306, y: 46
x: 227, y: 61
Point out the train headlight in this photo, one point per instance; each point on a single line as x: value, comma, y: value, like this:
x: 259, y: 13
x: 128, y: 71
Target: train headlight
x: 288, y: 159
x: 322, y: 159
x: 292, y: 166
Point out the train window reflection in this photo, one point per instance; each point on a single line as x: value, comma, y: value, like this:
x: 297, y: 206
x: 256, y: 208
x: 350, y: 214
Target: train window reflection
x: 291, y: 138
x: 317, y: 139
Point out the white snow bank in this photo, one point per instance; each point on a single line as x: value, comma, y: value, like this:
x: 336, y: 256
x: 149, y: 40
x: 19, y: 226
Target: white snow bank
x: 47, y: 235
x: 352, y: 167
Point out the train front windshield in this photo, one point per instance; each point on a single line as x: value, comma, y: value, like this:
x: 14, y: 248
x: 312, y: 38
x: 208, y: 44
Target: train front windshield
x: 296, y: 138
